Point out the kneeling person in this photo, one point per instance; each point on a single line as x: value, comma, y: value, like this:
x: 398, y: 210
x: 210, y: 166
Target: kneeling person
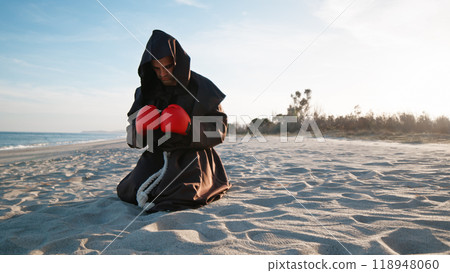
x: 178, y: 173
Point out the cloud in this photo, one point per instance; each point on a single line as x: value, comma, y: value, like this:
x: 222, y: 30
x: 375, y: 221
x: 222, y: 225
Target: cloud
x: 36, y: 13
x: 191, y: 3
x: 243, y: 57
x: 62, y: 108
x: 26, y: 64
x: 396, y: 22
x: 380, y: 55
x: 387, y: 56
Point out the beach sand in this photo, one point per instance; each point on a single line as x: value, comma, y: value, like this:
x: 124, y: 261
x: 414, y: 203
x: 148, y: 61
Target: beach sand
x: 332, y: 197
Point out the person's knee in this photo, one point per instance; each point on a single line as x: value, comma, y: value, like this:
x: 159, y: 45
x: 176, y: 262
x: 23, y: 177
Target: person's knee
x: 126, y: 193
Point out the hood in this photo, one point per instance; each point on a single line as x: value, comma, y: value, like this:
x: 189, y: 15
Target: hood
x: 162, y: 45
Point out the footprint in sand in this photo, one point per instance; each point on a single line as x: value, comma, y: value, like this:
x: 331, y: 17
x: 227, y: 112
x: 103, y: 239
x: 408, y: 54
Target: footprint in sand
x: 382, y: 163
x: 271, y: 238
x: 75, y: 179
x: 368, y: 219
x: 297, y: 170
x: 414, y: 241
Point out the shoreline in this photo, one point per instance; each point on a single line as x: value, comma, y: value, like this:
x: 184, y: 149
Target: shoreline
x: 46, y: 152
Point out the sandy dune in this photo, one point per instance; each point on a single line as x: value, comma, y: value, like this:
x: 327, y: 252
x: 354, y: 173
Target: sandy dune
x: 334, y: 197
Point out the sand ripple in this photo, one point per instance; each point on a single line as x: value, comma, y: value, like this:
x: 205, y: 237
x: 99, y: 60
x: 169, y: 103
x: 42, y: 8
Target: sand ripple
x: 334, y: 197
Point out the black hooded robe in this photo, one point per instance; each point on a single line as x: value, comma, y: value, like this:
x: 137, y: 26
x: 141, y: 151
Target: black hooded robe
x: 203, y: 181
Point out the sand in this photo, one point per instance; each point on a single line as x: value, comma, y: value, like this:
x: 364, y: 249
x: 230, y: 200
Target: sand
x: 332, y: 197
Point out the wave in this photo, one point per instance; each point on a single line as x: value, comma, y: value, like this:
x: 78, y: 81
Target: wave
x: 47, y: 144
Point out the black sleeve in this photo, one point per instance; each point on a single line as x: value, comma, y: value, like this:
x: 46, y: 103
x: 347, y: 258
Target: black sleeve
x: 133, y: 139
x: 219, y: 127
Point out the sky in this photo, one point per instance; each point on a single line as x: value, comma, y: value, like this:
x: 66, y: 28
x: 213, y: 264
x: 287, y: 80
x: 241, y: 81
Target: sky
x: 69, y: 66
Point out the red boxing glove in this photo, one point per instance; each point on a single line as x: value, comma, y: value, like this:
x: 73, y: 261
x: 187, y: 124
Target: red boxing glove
x: 148, y: 118
x: 175, y: 119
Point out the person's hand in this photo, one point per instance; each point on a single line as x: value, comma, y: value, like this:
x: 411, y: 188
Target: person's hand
x: 174, y: 119
x: 148, y: 118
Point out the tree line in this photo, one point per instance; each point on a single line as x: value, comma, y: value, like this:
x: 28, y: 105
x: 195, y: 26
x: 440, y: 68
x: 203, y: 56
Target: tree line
x: 355, y: 122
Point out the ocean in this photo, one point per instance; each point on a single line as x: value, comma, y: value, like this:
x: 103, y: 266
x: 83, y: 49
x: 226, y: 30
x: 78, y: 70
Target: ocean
x: 20, y: 140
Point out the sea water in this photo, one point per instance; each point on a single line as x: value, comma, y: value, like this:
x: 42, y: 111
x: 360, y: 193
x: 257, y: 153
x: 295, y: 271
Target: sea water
x: 20, y: 140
